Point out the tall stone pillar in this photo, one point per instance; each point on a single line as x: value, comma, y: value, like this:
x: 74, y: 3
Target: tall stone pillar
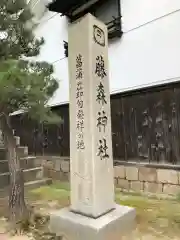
x: 93, y: 213
x: 90, y: 119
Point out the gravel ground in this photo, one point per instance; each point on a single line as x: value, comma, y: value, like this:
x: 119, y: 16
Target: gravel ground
x: 157, y: 219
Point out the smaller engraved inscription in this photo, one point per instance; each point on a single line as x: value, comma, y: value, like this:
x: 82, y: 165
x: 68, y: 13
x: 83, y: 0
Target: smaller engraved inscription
x: 79, y: 103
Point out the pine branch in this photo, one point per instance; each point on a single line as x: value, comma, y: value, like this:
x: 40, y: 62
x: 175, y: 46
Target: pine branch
x: 23, y: 84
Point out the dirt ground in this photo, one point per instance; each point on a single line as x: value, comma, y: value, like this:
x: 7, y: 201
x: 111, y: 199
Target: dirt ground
x: 157, y: 218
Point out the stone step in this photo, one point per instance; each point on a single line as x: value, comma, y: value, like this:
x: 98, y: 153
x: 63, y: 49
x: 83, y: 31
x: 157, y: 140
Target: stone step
x: 23, y: 152
x: 17, y: 139
x: 4, y: 180
x: 2, y: 154
x: 4, y: 168
x: 25, y: 163
x: 31, y: 174
x: 28, y: 162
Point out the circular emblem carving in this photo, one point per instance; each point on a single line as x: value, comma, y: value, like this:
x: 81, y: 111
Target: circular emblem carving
x: 99, y: 36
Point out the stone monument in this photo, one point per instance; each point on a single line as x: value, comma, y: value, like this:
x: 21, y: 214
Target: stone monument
x: 93, y: 213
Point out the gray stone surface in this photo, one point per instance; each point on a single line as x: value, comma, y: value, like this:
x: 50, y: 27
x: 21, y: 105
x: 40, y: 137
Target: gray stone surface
x: 112, y: 226
x: 168, y: 176
x: 171, y: 189
x: 136, y: 186
x: 132, y: 173
x: 148, y: 174
x: 119, y: 172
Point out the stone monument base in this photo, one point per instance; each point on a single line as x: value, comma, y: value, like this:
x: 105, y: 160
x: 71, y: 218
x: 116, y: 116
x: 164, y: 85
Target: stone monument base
x: 112, y: 226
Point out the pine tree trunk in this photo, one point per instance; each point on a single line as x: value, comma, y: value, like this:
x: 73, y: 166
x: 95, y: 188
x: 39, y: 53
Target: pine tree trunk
x: 17, y: 206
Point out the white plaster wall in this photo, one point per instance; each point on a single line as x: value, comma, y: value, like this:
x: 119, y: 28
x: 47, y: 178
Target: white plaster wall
x: 147, y: 54
x: 54, y: 30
